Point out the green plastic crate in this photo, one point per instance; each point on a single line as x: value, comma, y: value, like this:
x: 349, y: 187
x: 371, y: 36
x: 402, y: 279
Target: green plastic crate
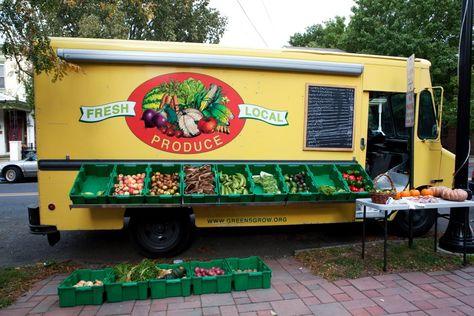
x: 128, y: 169
x: 92, y: 178
x: 201, y: 198
x: 261, y: 196
x: 89, y: 295
x: 164, y: 198
x: 292, y: 169
x: 233, y: 169
x: 327, y: 174
x: 346, y: 167
x: 211, y: 284
x: 127, y: 291
x: 249, y: 280
x: 162, y: 288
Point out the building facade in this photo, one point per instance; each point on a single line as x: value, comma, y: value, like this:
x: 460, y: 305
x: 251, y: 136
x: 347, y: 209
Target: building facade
x: 16, y: 119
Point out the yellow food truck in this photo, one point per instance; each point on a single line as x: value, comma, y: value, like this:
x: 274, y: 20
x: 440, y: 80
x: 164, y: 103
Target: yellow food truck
x: 148, y: 105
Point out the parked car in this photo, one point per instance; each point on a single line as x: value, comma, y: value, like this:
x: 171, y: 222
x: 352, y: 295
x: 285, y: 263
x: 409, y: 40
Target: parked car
x: 14, y: 171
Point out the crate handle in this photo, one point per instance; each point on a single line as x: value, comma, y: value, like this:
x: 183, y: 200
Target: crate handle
x: 173, y: 281
x: 128, y: 284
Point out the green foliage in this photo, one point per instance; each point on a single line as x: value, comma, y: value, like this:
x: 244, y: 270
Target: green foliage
x: 26, y: 26
x: 330, y: 34
x: 427, y: 28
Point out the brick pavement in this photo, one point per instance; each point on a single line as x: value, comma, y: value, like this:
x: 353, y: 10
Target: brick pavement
x: 295, y: 291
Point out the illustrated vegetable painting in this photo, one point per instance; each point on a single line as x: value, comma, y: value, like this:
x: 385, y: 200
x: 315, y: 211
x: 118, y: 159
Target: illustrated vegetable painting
x: 187, y: 109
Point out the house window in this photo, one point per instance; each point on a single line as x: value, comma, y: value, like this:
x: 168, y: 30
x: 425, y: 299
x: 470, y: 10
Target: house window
x: 2, y: 76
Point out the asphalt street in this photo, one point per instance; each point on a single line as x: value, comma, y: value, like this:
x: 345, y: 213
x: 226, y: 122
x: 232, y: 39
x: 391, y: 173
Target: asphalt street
x: 18, y: 246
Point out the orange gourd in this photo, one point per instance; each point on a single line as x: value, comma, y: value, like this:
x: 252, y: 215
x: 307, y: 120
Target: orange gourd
x: 398, y: 195
x: 414, y: 192
x: 426, y: 192
x: 405, y: 193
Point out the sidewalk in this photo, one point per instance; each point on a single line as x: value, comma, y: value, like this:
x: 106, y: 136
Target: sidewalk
x: 295, y: 291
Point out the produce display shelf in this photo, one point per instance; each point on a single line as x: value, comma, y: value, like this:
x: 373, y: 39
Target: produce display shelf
x: 223, y: 204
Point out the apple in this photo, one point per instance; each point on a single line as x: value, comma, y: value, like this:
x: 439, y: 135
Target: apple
x: 207, y: 124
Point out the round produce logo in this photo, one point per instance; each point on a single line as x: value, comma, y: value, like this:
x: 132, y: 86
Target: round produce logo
x: 185, y: 113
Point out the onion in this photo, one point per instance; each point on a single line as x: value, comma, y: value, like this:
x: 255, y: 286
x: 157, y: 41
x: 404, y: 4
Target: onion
x: 159, y: 120
x: 147, y: 117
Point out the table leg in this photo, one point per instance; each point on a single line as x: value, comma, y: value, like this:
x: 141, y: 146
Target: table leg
x: 466, y: 225
x: 410, y: 228
x: 363, y: 233
x: 385, y: 243
x: 436, y: 232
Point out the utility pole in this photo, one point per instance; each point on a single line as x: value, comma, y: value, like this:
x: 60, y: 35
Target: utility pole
x: 452, y: 239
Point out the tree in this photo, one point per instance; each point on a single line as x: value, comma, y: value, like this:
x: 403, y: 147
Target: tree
x: 330, y: 34
x: 427, y: 28
x: 26, y: 25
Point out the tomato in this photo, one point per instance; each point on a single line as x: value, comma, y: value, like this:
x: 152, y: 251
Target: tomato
x: 351, y: 178
x: 345, y: 175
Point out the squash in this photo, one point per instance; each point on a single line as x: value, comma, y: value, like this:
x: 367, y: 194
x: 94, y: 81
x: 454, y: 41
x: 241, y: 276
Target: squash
x: 405, y: 193
x: 454, y: 195
x: 398, y: 195
x: 179, y: 272
x: 426, y: 192
x: 438, y: 191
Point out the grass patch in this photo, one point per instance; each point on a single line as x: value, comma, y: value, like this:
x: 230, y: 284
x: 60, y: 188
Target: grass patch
x: 14, y: 281
x: 344, y: 262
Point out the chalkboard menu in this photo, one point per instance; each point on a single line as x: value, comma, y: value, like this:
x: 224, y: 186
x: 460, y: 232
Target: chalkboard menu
x: 329, y: 121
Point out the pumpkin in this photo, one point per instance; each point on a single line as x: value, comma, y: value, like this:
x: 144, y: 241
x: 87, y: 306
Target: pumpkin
x: 398, y: 195
x: 414, y: 192
x: 426, y: 192
x: 454, y: 195
x: 405, y: 193
x: 438, y: 191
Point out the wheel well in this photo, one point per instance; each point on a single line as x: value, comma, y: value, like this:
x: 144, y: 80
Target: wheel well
x: 10, y: 166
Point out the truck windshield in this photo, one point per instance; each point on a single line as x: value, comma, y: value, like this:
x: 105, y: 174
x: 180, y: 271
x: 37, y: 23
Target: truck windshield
x: 392, y: 118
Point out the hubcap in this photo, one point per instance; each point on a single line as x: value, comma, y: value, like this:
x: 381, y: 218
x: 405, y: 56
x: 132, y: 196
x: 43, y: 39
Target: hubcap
x: 10, y: 175
x: 160, y: 235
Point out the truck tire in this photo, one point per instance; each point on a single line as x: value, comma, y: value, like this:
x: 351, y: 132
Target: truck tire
x: 423, y: 220
x: 158, y: 236
x: 12, y: 174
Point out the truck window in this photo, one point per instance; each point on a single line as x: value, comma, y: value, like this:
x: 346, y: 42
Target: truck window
x: 427, y: 127
x: 393, y: 114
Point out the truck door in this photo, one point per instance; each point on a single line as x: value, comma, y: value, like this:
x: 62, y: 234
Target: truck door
x: 427, y: 143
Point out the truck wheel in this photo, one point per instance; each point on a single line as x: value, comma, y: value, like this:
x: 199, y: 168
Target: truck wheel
x: 12, y: 174
x: 156, y: 237
x: 423, y: 220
